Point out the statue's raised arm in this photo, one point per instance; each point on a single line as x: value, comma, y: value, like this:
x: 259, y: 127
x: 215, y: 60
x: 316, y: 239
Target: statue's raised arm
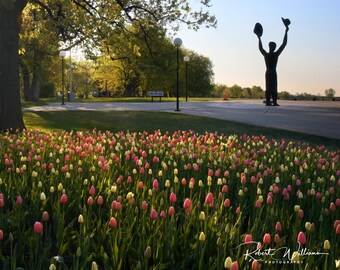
x: 286, y: 22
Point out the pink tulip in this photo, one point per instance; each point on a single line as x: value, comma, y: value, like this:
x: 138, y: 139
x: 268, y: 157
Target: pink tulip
x: 1, y: 235
x: 116, y: 205
x: 277, y: 239
x: 238, y: 210
x: 140, y: 185
x: 38, y: 228
x: 332, y: 207
x: 144, y: 205
x: 266, y: 238
x: 300, y: 214
x: 45, y: 216
x: 269, y: 200
x: 255, y: 265
x: 155, y: 184
x: 90, y: 201
x: 248, y: 239
x: 19, y: 200
x: 113, y: 223
x: 154, y: 214
x: 278, y: 227
x: 63, y: 199
x: 337, y: 203
x: 226, y: 203
x: 302, y: 238
x: 258, y: 203
x: 318, y: 195
x: 171, y: 211
x: 225, y: 189
x: 173, y: 198
x: 100, y: 200
x: 209, y: 199
x: 187, y: 203
x: 162, y: 214
x: 337, y: 230
x: 234, y: 266
x: 92, y: 190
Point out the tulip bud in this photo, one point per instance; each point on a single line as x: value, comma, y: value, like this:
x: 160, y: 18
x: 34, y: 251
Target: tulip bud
x: 80, y: 219
x: 94, y: 266
x: 227, y: 263
x: 201, y: 237
x: 147, y: 253
x: 326, y: 245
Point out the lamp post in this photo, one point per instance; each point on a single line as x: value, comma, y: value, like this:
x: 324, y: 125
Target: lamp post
x: 186, y: 60
x: 178, y: 43
x: 62, y: 54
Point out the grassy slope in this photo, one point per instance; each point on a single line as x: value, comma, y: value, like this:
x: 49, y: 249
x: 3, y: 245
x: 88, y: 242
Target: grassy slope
x: 150, y: 121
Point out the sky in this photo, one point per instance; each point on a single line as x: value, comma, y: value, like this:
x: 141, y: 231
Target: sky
x: 310, y: 62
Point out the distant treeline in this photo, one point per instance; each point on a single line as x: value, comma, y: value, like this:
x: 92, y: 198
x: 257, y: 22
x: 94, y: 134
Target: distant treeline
x: 236, y: 91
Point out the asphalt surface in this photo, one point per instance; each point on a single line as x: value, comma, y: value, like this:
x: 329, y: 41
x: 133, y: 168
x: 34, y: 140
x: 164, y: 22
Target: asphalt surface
x: 311, y: 117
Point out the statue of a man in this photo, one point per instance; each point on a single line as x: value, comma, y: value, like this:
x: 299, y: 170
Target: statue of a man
x: 271, y: 59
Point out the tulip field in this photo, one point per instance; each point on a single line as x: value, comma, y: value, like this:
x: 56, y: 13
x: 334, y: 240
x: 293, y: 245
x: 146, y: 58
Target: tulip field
x: 160, y: 200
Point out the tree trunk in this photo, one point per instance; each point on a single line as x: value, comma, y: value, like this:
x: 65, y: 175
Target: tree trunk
x: 35, y: 88
x: 10, y: 105
x: 26, y: 81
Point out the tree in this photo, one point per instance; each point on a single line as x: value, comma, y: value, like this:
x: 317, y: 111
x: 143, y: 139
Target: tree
x: 330, y: 92
x: 200, y: 75
x: 86, y: 22
x: 38, y: 45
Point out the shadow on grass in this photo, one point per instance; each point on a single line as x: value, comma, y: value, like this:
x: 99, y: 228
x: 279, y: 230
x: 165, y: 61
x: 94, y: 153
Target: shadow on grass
x: 150, y: 121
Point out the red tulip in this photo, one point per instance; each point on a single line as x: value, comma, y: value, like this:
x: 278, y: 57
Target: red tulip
x: 113, y: 223
x: 266, y: 238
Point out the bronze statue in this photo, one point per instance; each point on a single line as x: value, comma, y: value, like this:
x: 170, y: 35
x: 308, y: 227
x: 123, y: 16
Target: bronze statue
x: 271, y: 59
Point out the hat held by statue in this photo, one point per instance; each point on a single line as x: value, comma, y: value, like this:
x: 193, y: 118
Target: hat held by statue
x: 286, y: 22
x: 258, y: 29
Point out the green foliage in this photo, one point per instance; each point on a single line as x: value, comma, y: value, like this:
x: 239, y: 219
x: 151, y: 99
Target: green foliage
x: 47, y: 90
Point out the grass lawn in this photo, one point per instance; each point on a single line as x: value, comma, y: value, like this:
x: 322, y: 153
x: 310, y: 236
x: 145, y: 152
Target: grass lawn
x: 149, y: 121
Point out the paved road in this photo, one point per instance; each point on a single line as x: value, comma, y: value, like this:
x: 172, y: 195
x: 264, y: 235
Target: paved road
x: 311, y: 117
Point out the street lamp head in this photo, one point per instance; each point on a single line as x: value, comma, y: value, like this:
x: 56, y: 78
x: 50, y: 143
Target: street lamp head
x: 186, y: 58
x: 177, y: 42
x: 62, y: 54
